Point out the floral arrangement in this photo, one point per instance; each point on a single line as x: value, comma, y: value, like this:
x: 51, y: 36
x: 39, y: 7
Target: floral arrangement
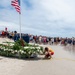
x: 20, y: 49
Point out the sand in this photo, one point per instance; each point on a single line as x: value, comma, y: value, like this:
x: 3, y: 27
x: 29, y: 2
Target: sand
x: 62, y: 63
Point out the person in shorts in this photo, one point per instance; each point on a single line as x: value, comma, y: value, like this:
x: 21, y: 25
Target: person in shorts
x: 48, y: 52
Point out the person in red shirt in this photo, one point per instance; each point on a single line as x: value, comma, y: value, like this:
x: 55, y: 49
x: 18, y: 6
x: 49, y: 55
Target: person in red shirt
x: 3, y: 33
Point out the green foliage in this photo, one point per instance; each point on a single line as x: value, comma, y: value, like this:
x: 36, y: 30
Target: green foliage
x: 20, y: 49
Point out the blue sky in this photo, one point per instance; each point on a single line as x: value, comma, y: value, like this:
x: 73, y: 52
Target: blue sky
x: 40, y: 17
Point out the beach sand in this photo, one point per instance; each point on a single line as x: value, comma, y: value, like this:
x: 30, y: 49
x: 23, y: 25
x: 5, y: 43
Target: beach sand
x: 62, y: 63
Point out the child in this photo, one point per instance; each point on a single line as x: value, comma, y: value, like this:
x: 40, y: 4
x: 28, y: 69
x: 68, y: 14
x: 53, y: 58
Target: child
x: 48, y: 52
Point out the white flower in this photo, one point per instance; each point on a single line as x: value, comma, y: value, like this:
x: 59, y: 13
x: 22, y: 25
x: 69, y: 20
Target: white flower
x: 22, y: 51
x: 11, y: 44
x: 12, y: 52
x: 15, y: 50
x: 26, y: 47
x: 5, y: 49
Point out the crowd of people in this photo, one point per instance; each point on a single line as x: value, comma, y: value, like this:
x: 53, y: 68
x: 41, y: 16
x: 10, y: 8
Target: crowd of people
x: 52, y: 40
x: 38, y: 39
x: 14, y: 35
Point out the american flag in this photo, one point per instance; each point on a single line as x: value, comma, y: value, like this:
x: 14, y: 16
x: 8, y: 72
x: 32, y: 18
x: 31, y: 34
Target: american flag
x: 16, y: 4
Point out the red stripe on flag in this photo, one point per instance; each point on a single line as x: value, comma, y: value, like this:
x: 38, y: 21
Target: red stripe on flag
x: 15, y: 4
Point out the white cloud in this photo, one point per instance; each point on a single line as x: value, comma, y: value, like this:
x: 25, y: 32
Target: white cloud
x: 46, y: 17
x: 5, y: 3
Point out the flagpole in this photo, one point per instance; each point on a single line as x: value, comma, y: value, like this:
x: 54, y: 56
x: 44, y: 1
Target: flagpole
x: 20, y: 24
x: 20, y: 18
